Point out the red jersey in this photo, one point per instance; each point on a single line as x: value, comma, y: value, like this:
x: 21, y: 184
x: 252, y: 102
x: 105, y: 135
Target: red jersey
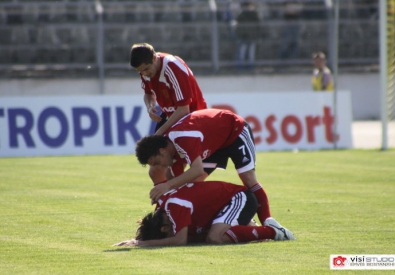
x: 201, y: 133
x: 174, y: 85
x: 197, y: 204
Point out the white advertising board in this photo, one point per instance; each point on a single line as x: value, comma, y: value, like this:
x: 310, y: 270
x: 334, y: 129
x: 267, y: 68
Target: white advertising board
x: 78, y: 125
x: 292, y: 120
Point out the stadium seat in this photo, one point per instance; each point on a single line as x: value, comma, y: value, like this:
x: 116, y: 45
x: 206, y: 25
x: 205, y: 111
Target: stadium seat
x: 5, y: 36
x: 24, y: 55
x: 83, y: 55
x: 7, y: 56
x: 46, y: 34
x: 20, y: 35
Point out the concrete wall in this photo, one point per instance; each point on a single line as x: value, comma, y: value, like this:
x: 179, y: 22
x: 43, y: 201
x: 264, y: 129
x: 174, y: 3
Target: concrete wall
x: 364, y: 87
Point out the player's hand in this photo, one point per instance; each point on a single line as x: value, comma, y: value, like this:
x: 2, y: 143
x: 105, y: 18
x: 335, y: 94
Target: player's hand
x: 158, y: 191
x: 154, y: 112
x: 132, y: 242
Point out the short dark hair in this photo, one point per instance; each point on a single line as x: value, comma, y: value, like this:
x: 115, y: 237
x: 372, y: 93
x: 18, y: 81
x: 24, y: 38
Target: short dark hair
x: 318, y: 55
x: 150, y: 227
x: 149, y: 146
x: 141, y: 53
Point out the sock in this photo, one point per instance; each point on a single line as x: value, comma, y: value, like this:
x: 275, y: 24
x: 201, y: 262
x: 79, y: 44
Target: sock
x: 244, y: 233
x: 263, y: 210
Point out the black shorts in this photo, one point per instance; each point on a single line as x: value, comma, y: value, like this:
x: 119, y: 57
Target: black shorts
x: 160, y: 123
x: 241, y: 152
x: 239, y: 211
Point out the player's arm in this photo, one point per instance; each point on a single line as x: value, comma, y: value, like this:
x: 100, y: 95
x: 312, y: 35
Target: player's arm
x: 180, y: 112
x: 180, y: 238
x: 194, y: 173
x: 150, y: 104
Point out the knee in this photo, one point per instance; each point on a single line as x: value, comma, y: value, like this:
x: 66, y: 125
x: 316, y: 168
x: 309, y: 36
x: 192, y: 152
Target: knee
x: 211, y: 239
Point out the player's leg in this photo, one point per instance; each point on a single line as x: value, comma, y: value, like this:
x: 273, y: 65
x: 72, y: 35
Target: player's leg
x: 239, y: 211
x: 242, y: 153
x: 243, y: 234
x: 249, y: 180
x: 217, y: 234
x: 232, y: 224
x: 219, y: 159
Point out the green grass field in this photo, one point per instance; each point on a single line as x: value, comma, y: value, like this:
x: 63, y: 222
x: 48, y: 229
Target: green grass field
x: 61, y: 215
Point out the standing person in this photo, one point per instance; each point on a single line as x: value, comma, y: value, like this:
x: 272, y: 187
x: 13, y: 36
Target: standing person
x: 169, y: 83
x: 292, y: 11
x: 247, y: 33
x: 322, y: 79
x: 204, y: 140
x: 215, y: 212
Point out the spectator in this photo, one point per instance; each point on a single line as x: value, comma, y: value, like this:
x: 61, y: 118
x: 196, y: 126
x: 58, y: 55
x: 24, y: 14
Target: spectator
x: 229, y: 18
x: 247, y: 33
x: 290, y: 34
x: 322, y: 79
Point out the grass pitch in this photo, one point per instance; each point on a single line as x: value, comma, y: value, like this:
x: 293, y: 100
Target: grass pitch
x: 60, y: 215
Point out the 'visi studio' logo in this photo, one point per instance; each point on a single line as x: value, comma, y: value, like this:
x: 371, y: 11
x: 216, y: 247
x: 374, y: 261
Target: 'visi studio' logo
x: 339, y: 261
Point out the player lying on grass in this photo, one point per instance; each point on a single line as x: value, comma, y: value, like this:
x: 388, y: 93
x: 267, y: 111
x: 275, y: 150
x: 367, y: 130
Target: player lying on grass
x: 214, y: 212
x: 204, y: 140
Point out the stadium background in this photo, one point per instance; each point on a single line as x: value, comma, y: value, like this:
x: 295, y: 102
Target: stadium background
x: 46, y: 41
x: 66, y: 32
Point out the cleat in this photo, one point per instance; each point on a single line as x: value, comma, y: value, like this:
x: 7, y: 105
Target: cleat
x: 282, y: 234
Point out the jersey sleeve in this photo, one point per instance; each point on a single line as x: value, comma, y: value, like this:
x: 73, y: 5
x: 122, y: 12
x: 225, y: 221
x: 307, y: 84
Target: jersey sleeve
x: 179, y: 212
x: 188, y: 148
x: 177, y: 168
x: 177, y: 76
x: 145, y: 85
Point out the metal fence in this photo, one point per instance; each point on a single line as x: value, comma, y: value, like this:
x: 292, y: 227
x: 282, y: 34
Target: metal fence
x: 59, y: 38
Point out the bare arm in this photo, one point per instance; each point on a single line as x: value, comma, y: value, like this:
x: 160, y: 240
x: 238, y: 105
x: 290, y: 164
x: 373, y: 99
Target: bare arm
x: 180, y: 238
x: 180, y: 112
x: 150, y: 104
x: 194, y: 173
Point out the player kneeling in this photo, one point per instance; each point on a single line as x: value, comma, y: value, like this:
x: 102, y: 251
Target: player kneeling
x: 213, y: 211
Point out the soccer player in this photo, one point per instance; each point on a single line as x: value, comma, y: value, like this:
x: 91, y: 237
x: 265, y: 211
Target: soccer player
x: 215, y: 212
x: 204, y: 140
x: 169, y: 83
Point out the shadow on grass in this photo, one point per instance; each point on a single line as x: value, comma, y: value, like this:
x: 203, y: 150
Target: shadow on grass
x: 123, y: 249
x: 127, y: 249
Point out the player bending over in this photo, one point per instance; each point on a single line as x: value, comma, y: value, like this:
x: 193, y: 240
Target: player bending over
x: 167, y: 81
x: 204, y: 140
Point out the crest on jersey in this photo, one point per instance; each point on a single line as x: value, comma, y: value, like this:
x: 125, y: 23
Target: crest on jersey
x: 206, y: 153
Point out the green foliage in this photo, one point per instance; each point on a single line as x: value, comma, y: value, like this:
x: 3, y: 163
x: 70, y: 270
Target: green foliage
x: 60, y: 215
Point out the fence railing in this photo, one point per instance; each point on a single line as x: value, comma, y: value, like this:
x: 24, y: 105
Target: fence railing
x: 63, y: 36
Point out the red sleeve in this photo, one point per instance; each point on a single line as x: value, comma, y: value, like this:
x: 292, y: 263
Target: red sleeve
x: 145, y: 85
x: 189, y: 148
x: 179, y: 215
x: 177, y: 168
x: 180, y: 84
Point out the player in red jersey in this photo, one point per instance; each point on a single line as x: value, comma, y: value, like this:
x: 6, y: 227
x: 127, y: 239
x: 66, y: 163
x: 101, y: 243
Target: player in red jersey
x: 204, y: 140
x: 212, y: 211
x: 167, y: 81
